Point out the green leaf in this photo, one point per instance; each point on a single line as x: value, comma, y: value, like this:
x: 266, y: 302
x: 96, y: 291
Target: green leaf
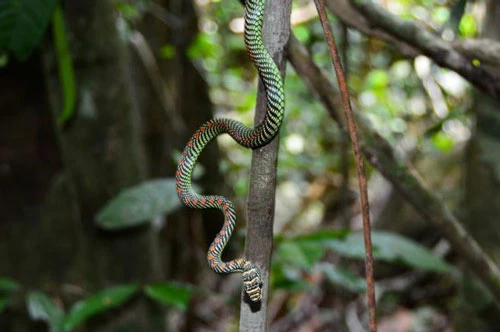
x: 97, y: 303
x: 323, y: 235
x: 473, y: 294
x: 391, y: 247
x: 42, y: 307
x: 377, y: 79
x: 128, y: 11
x: 8, y: 285
x: 4, y: 300
x: 203, y: 46
x: 289, y: 279
x: 65, y: 65
x: 4, y: 59
x: 342, y: 277
x: 167, y: 51
x: 138, y: 205
x: 302, y: 33
x: 170, y: 294
x: 442, y: 142
x: 22, y: 25
x: 299, y: 254
x: 468, y: 26
x: 441, y: 14
x: 305, y: 250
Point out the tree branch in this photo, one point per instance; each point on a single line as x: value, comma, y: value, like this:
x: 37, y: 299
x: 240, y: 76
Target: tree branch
x: 353, y: 18
x: 485, y: 50
x: 261, y: 197
x: 381, y: 156
x: 429, y: 44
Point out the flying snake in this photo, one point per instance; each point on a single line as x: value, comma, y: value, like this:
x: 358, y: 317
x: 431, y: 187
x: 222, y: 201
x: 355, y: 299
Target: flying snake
x: 252, y: 138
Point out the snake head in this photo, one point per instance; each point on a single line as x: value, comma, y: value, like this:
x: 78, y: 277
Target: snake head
x: 252, y: 282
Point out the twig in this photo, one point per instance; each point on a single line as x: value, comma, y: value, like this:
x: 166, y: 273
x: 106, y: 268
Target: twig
x: 165, y: 16
x: 381, y: 156
x: 365, y: 208
x: 164, y: 95
x: 344, y: 142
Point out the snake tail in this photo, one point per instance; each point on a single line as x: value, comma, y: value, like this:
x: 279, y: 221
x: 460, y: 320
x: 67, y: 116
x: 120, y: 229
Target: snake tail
x: 252, y: 138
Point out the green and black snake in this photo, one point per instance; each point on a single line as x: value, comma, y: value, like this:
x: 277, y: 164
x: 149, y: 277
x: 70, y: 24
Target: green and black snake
x: 252, y: 138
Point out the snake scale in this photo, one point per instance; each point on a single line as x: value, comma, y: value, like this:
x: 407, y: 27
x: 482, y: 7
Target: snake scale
x: 252, y: 138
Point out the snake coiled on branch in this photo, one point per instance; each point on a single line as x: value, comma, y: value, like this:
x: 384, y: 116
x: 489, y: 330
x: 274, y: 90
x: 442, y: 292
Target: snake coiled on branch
x: 252, y: 138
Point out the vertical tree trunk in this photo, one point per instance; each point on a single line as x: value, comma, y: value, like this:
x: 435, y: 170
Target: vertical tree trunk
x: 261, y: 197
x: 29, y: 159
x: 102, y: 154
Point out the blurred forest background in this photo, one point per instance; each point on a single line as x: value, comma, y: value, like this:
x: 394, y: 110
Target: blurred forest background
x: 99, y: 97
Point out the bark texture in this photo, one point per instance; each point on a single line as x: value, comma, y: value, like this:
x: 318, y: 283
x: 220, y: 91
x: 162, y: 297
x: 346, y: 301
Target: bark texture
x: 102, y: 154
x: 261, y: 199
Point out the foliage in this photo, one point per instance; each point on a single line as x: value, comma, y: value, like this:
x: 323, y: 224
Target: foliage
x: 138, y: 205
x: 304, y: 253
x: 97, y: 303
x: 342, y: 277
x: 65, y: 64
x: 174, y: 294
x: 391, y: 247
x: 406, y: 100
x: 7, y: 287
x: 42, y: 307
x: 22, y: 25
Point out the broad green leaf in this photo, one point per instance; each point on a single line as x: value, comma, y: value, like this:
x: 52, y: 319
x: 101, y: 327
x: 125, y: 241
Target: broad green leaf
x: 97, y: 303
x: 299, y: 253
x: 138, y: 205
x: 65, y: 65
x: 42, y: 307
x: 8, y: 285
x: 391, y: 247
x: 170, y: 294
x: 305, y: 250
x: 342, y: 277
x: 22, y: 24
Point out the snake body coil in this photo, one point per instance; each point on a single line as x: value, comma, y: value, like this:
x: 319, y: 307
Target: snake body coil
x: 253, y: 138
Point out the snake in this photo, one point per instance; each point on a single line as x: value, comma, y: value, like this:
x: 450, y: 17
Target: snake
x: 248, y: 137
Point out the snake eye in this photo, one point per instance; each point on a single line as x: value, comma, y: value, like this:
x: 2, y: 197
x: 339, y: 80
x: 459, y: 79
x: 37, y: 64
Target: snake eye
x: 261, y: 284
